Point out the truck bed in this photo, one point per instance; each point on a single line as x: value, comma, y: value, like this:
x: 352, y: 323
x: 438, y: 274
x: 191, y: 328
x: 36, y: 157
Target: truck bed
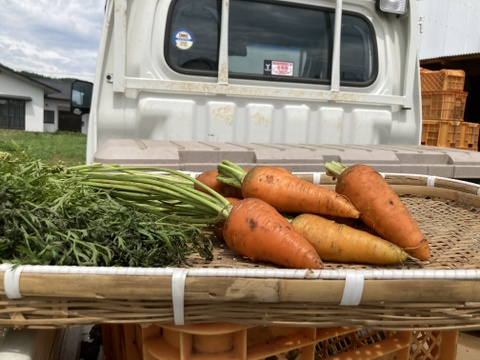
x: 199, y: 156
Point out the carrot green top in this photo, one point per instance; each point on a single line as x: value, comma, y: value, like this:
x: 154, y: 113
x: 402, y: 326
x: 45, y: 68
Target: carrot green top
x: 334, y: 168
x: 230, y: 173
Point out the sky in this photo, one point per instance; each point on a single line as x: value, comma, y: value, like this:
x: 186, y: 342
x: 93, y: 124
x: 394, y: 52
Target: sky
x: 55, y: 38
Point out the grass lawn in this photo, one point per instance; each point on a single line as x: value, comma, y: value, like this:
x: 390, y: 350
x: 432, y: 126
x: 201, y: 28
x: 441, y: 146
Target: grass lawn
x: 67, y: 147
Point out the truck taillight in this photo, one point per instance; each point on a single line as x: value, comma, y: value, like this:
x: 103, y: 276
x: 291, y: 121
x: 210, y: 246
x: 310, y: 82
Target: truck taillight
x: 393, y: 6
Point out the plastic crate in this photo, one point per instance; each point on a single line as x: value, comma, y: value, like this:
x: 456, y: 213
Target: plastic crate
x: 440, y: 133
x: 452, y: 134
x: 444, y: 105
x: 468, y: 136
x: 238, y: 342
x: 444, y: 79
x: 433, y: 345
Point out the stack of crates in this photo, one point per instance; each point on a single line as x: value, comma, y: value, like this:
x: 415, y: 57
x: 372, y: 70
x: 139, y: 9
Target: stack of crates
x: 221, y: 341
x: 443, y: 109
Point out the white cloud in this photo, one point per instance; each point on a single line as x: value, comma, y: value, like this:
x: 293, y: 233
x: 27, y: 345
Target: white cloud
x: 54, y: 38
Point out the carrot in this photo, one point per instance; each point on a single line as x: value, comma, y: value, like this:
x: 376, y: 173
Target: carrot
x: 342, y: 243
x: 209, y: 178
x: 258, y: 231
x: 217, y: 228
x: 354, y: 223
x: 381, y: 208
x: 252, y: 227
x: 284, y: 191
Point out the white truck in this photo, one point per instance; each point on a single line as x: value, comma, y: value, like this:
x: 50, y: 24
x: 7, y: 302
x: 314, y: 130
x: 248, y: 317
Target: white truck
x: 188, y: 83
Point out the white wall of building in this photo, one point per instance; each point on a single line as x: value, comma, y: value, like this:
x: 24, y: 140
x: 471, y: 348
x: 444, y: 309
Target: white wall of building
x: 449, y: 28
x: 12, y: 86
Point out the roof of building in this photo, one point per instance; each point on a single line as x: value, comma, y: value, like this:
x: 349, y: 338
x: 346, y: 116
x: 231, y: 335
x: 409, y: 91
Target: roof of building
x: 47, y: 88
x: 63, y: 88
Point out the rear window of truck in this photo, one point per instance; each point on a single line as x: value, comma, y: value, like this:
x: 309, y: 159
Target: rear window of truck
x: 270, y: 41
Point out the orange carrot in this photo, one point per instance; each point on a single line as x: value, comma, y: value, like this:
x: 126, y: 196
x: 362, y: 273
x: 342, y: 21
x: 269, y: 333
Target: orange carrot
x: 342, y: 243
x: 381, y: 208
x: 285, y: 191
x: 209, y: 178
x: 258, y: 231
x: 252, y: 227
x: 217, y: 228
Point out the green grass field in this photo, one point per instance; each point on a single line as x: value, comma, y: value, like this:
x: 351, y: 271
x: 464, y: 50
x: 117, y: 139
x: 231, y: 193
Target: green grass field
x: 50, y: 147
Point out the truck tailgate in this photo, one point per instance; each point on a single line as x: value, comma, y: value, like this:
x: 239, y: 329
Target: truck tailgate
x: 199, y: 156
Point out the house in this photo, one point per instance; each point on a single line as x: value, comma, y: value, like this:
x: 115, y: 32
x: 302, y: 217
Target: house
x: 57, y: 109
x: 36, y: 104
x: 450, y: 39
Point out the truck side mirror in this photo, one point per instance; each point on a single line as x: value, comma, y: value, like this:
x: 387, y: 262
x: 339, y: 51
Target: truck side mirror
x: 81, y: 97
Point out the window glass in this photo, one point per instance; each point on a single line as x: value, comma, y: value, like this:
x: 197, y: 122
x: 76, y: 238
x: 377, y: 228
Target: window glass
x: 48, y: 117
x: 12, y: 114
x: 194, y: 35
x: 279, y: 41
x: 358, y: 52
x: 272, y: 41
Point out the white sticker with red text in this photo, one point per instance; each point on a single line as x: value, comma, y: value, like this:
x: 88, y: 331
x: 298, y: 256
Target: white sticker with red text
x: 278, y: 68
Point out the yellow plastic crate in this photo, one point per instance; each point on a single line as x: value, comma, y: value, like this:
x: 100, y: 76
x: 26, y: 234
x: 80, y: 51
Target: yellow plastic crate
x: 240, y: 342
x: 468, y: 136
x: 444, y: 105
x: 452, y: 134
x: 445, y: 79
x: 442, y: 133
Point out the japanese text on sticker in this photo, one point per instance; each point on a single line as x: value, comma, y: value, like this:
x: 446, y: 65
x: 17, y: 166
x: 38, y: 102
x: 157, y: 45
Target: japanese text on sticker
x: 282, y: 68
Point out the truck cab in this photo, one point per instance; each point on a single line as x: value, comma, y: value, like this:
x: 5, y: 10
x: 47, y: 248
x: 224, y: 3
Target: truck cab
x: 187, y: 83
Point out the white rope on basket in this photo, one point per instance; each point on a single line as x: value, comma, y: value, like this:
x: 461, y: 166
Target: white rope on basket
x: 317, y: 177
x: 325, y: 274
x: 11, y: 281
x: 178, y: 295
x: 353, y: 291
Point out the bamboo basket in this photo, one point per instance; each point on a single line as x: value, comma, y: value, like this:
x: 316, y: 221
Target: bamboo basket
x: 441, y: 294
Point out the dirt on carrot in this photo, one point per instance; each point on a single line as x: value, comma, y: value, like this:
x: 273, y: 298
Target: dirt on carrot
x: 258, y: 231
x: 341, y: 243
